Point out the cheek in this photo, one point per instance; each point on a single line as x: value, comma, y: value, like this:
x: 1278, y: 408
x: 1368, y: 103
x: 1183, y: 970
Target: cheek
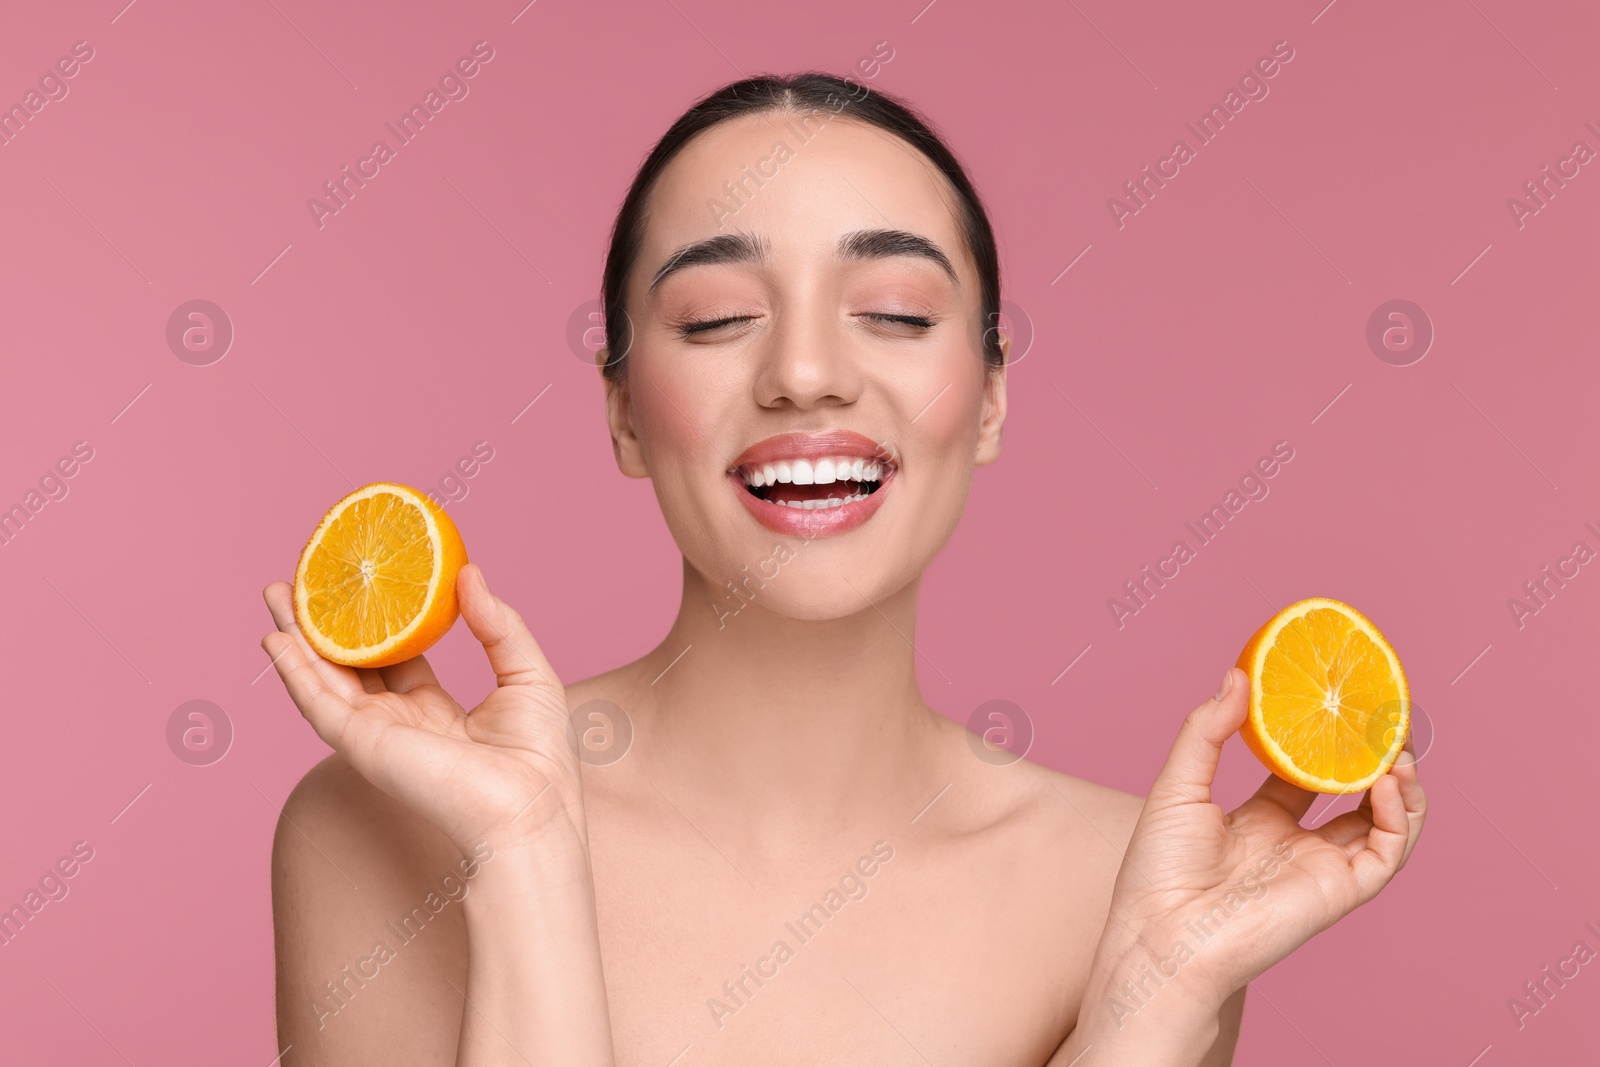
x: 673, y: 412
x: 945, y: 439
x: 938, y: 449
x: 942, y: 407
x: 666, y: 420
x: 681, y: 414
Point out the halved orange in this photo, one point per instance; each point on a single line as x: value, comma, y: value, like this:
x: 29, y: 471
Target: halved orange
x: 1329, y: 704
x: 376, y: 584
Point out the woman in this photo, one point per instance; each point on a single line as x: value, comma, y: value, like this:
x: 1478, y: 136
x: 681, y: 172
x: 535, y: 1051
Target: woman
x: 798, y: 861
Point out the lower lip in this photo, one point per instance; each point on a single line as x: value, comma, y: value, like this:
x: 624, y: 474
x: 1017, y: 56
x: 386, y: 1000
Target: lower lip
x: 811, y: 522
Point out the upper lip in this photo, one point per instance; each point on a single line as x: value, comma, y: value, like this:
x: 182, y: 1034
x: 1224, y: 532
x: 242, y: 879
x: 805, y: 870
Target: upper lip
x: 799, y: 445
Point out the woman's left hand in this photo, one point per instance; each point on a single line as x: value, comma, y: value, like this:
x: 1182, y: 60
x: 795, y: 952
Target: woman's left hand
x: 1211, y: 899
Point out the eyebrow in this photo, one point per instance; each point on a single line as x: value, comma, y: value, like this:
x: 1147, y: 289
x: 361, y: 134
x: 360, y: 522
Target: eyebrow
x: 858, y: 244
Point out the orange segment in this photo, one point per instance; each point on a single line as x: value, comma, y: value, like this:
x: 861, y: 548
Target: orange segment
x: 376, y: 584
x: 1329, y: 704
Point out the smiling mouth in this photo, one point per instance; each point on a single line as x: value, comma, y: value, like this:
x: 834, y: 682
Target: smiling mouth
x: 815, y: 484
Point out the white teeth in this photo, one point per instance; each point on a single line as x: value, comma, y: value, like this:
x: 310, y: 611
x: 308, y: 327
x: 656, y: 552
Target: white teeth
x: 813, y: 505
x: 824, y: 471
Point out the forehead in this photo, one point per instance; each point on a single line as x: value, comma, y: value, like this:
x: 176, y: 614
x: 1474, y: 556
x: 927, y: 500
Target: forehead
x: 800, y: 185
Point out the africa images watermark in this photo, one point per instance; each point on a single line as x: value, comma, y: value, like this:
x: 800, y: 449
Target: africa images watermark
x: 340, y: 191
x: 53, y: 88
x: 1207, y: 128
x: 1539, y: 591
x: 1538, y: 192
x: 453, y: 487
x: 740, y: 191
x: 340, y: 991
x: 742, y: 593
x: 1252, y: 486
x: 1551, y: 980
x: 1135, y: 993
x: 52, y: 487
x: 53, y: 887
x: 851, y: 886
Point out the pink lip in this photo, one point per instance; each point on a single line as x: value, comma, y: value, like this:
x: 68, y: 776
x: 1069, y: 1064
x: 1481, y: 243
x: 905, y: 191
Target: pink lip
x: 813, y: 446
x: 820, y: 522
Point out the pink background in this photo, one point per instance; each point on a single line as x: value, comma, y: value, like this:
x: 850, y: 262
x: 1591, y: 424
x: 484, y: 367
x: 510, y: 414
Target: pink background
x: 426, y: 315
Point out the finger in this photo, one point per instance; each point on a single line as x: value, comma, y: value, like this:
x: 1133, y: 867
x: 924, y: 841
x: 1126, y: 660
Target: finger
x: 280, y: 601
x: 1353, y: 825
x: 405, y: 676
x: 1413, y: 797
x: 1192, y: 764
x: 371, y: 679
x: 1286, y: 795
x: 1374, y: 865
x: 513, y: 653
x: 1366, y: 798
x: 1348, y: 831
x: 1364, y: 809
x: 326, y: 710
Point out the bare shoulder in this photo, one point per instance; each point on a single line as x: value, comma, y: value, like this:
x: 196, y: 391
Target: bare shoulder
x: 367, y: 925
x: 1015, y: 864
x: 336, y: 825
x: 1099, y: 809
x: 1051, y: 843
x: 1038, y: 806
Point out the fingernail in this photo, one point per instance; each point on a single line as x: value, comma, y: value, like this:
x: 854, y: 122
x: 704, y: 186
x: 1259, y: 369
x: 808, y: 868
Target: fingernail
x: 1227, y: 684
x: 1405, y: 759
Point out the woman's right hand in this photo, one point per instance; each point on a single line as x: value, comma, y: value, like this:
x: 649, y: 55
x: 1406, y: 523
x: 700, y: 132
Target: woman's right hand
x: 504, y: 772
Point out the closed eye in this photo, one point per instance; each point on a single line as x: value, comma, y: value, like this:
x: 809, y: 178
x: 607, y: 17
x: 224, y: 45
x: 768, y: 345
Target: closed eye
x: 689, y: 328
x: 909, y: 320
x: 918, y: 321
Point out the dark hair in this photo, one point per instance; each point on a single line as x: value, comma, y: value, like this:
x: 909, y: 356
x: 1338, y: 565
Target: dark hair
x: 807, y: 91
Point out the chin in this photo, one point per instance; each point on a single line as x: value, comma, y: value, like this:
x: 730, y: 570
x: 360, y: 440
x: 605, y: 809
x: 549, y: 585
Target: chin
x: 812, y: 581
x: 816, y: 574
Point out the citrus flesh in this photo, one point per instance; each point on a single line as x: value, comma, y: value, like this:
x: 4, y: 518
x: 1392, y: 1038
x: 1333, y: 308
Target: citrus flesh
x: 376, y: 583
x: 1329, y: 706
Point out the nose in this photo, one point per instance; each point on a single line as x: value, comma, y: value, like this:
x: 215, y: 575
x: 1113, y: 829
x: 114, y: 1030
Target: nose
x: 807, y: 361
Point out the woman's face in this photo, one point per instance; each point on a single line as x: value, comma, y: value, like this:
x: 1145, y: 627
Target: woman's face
x: 833, y: 327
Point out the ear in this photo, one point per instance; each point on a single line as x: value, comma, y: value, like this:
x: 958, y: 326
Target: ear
x: 619, y: 419
x: 994, y: 410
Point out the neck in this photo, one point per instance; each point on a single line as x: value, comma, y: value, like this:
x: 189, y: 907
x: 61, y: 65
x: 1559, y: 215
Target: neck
x: 798, y: 721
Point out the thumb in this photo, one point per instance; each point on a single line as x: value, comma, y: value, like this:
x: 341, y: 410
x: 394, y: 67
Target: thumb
x: 1192, y: 764
x: 513, y: 653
